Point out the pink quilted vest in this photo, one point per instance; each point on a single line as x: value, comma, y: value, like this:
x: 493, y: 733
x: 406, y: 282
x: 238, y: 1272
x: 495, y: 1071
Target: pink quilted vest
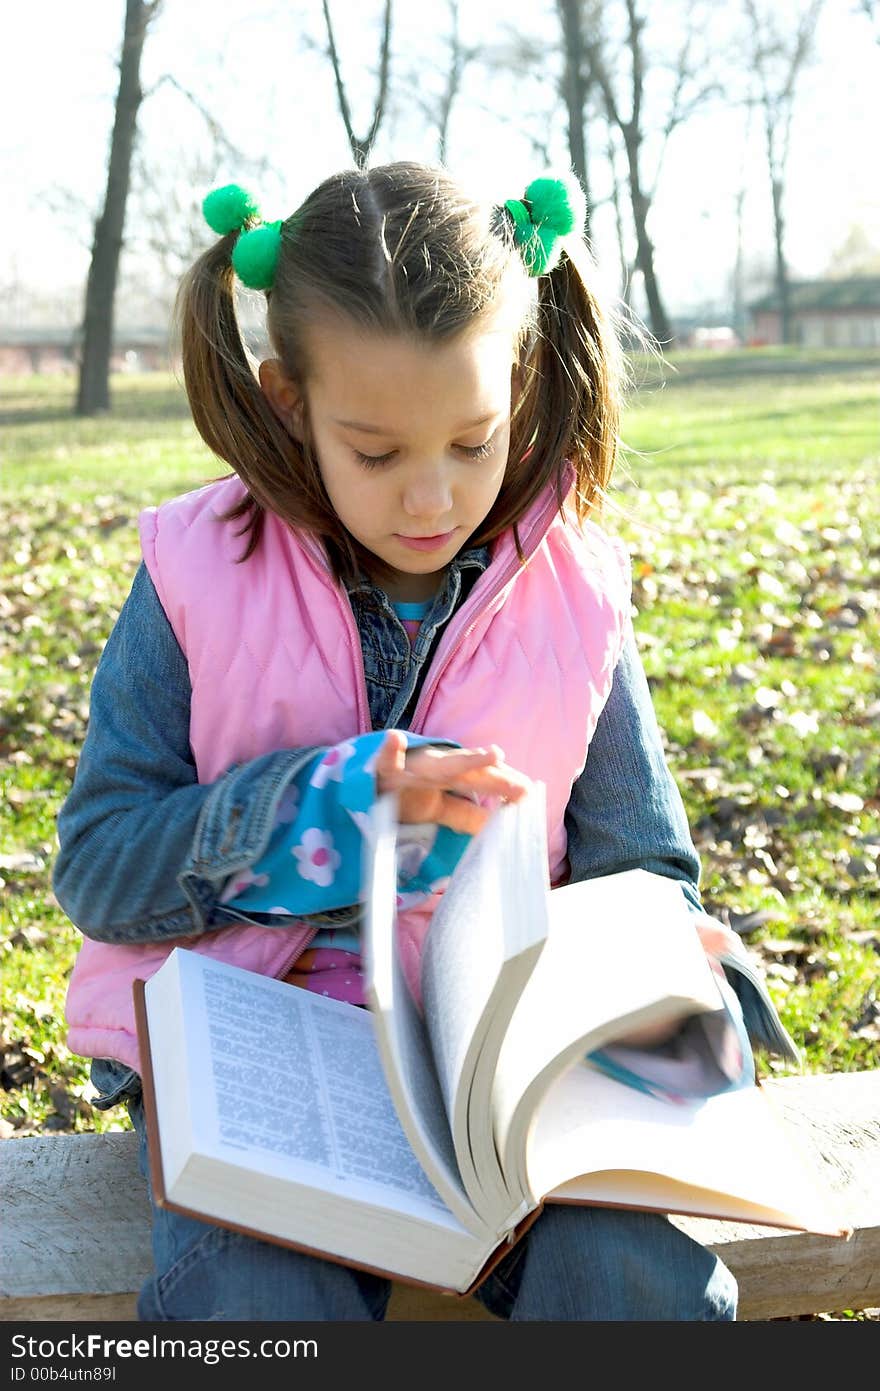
x: 275, y: 662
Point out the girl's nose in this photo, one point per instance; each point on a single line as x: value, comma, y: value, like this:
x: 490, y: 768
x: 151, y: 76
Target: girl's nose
x: 428, y: 494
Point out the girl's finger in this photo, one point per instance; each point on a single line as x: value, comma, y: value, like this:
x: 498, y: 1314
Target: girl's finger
x: 502, y: 782
x: 392, y: 745
x: 717, y: 938
x: 463, y: 816
x: 390, y: 763
x: 423, y: 765
x: 446, y: 772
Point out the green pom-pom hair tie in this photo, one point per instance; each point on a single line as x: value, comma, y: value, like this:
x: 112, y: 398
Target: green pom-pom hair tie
x: 255, y: 255
x: 548, y: 212
x: 229, y: 209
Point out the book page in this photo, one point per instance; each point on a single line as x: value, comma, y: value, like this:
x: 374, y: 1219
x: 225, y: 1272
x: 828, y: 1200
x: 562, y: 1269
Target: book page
x: 731, y: 1155
x: 290, y: 1075
x: 401, y: 1035
x: 287, y: 1131
x: 622, y: 952
x: 485, y: 937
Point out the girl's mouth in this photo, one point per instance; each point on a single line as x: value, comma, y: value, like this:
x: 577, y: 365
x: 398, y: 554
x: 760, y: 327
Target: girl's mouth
x: 426, y: 543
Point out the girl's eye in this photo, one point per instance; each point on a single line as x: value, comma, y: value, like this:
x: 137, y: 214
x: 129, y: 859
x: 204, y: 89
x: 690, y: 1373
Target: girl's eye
x: 478, y: 451
x: 372, y: 460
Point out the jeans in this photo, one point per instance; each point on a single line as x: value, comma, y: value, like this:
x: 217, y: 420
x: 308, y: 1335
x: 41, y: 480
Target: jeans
x: 574, y: 1264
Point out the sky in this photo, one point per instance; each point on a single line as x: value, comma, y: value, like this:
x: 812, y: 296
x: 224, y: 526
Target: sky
x: 258, y: 70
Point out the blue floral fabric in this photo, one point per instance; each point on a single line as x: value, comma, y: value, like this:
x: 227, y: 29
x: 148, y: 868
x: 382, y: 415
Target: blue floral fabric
x: 313, y: 862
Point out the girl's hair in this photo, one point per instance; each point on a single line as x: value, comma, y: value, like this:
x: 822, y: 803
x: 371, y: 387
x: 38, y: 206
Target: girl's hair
x: 400, y: 249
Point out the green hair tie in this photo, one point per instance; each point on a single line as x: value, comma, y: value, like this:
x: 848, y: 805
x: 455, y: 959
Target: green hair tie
x: 229, y: 209
x: 255, y: 254
x: 549, y: 210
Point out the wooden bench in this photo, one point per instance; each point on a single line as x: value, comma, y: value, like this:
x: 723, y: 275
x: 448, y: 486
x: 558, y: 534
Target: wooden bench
x: 74, y: 1239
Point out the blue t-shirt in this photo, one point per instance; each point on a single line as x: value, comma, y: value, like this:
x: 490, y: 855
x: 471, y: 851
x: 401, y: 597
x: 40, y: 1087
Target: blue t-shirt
x: 411, y: 616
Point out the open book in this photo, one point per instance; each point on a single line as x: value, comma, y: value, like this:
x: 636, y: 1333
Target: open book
x: 422, y: 1143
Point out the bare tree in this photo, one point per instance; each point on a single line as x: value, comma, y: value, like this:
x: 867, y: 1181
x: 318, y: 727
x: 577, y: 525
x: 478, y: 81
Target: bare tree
x: 361, y: 147
x: 167, y: 189
x: 738, y: 274
x: 522, y: 58
x: 459, y: 57
x: 577, y: 79
x: 626, y: 270
x: 434, y: 89
x: 630, y: 121
x: 169, y: 232
x: 93, y: 394
x: 777, y: 57
x: 223, y: 148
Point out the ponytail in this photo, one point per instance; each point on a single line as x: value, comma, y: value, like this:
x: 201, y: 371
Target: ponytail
x: 230, y: 411
x: 567, y: 413
x: 580, y: 377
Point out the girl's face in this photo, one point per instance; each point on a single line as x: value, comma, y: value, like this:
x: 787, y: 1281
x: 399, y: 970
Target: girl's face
x: 411, y: 439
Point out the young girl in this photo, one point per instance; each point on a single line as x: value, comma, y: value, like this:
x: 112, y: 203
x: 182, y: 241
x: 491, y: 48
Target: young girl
x: 401, y: 586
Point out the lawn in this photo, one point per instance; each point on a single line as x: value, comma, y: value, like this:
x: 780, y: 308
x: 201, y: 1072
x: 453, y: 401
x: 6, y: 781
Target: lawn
x: 749, y: 499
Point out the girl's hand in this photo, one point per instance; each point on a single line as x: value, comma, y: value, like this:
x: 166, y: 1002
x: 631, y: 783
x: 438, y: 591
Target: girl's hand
x: 715, y: 939
x: 437, y: 784
x: 718, y: 939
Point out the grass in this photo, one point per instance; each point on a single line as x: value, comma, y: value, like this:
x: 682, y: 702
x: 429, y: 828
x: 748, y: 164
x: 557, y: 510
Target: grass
x: 749, y: 500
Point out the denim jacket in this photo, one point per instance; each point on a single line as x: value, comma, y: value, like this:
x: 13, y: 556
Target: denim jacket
x: 145, y: 850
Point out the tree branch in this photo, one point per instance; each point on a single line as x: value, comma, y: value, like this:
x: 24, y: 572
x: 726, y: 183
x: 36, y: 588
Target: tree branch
x: 218, y: 135
x: 384, y: 69
x: 361, y: 148
x: 337, y: 74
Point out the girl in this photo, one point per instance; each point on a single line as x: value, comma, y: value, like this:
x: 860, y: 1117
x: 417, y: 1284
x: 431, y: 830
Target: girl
x: 401, y: 586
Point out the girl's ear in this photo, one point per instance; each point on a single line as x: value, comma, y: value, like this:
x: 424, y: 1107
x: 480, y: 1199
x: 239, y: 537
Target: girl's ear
x: 283, y: 395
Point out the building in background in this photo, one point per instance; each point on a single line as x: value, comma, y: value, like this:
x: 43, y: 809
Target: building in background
x: 49, y: 351
x: 824, y: 314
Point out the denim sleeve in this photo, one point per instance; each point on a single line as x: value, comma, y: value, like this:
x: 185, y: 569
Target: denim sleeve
x: 625, y: 810
x: 144, y: 848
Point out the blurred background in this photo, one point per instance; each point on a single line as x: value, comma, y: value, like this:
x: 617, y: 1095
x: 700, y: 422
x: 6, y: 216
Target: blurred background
x: 725, y: 149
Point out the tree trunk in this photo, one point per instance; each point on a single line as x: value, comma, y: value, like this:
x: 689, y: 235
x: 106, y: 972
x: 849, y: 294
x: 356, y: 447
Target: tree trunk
x: 657, y: 316
x: 773, y: 46
x: 738, y: 292
x: 457, y: 62
x: 576, y: 88
x: 782, y: 287
x: 625, y: 268
x: 631, y: 131
x: 94, y: 375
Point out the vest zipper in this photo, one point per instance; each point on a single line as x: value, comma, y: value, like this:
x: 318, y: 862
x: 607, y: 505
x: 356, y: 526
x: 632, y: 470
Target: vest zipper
x: 292, y: 956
